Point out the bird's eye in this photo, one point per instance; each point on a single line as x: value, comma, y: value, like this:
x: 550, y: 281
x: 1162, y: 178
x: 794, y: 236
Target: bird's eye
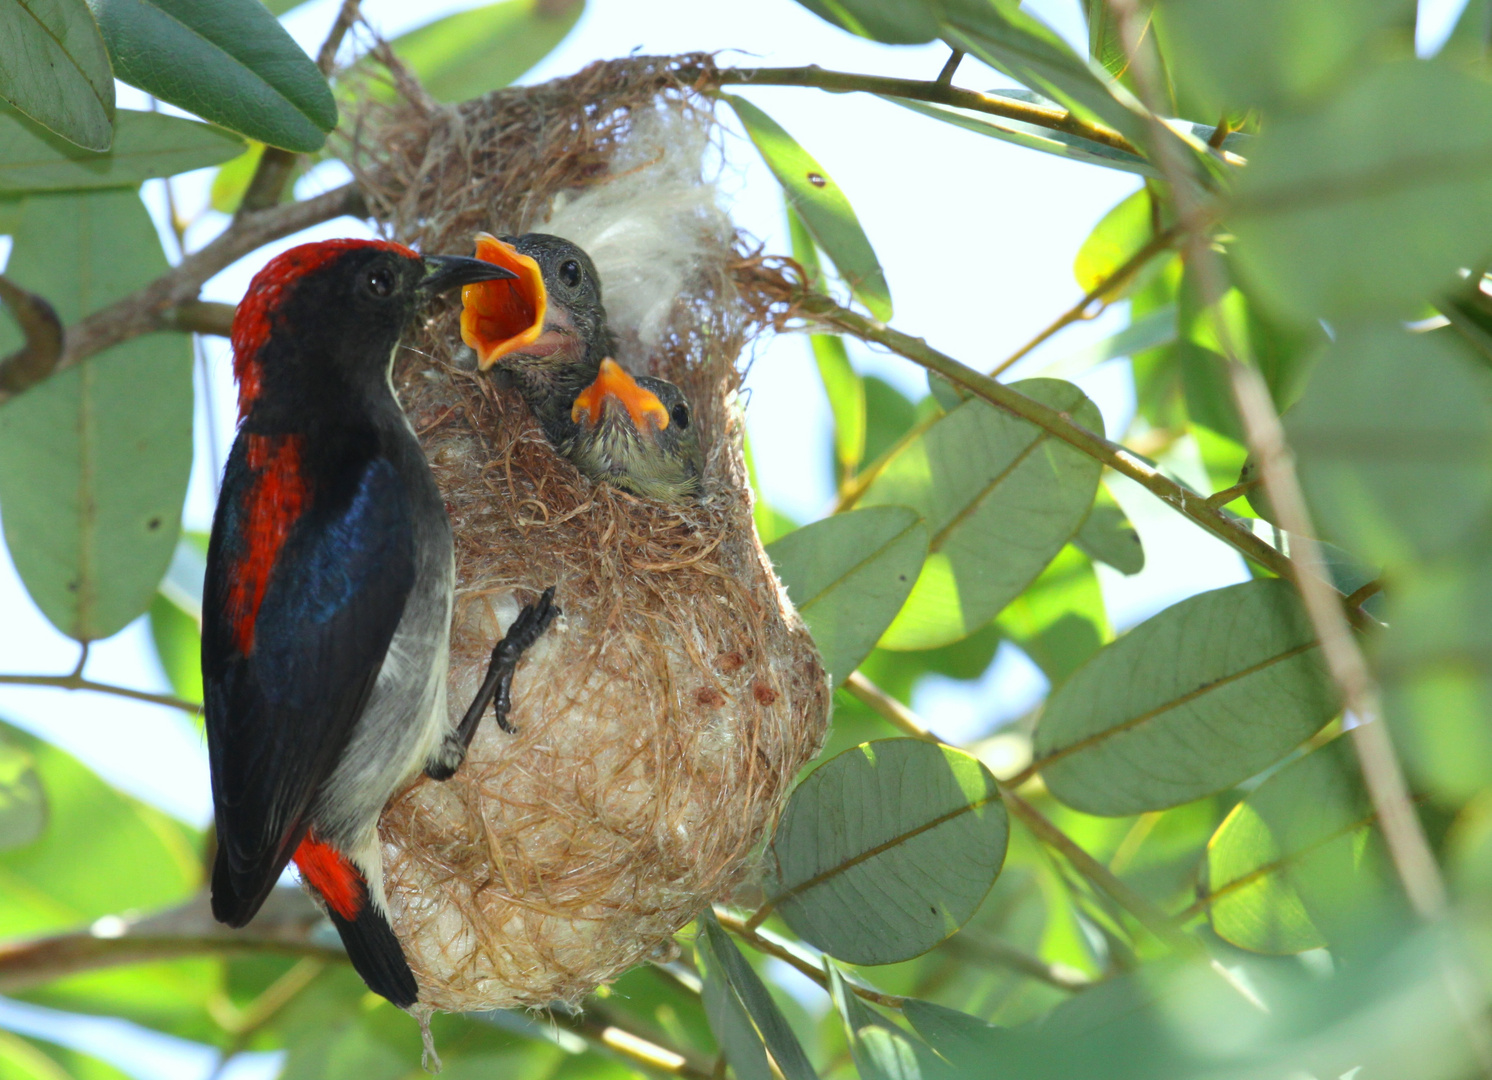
x: 380, y: 283
x: 680, y: 414
x: 569, y: 272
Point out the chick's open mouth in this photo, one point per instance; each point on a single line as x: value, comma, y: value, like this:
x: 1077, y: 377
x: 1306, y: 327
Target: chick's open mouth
x: 500, y: 317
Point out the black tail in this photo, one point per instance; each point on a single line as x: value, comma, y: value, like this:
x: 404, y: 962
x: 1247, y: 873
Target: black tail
x: 376, y: 955
x: 237, y: 897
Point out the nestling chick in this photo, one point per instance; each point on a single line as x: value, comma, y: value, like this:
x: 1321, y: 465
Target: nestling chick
x: 636, y: 434
x: 547, y: 330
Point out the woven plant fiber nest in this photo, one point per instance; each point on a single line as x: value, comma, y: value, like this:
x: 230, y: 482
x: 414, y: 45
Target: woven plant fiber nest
x: 662, y: 719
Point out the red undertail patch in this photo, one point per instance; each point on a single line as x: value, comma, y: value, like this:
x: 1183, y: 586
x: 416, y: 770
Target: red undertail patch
x: 331, y: 875
x: 278, y: 494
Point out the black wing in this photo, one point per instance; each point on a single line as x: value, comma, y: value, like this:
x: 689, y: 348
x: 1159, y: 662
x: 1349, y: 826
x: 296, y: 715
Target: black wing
x: 280, y: 716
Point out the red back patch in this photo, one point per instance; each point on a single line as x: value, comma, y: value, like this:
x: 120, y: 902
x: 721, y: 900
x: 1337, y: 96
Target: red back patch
x: 277, y: 496
x: 333, y: 876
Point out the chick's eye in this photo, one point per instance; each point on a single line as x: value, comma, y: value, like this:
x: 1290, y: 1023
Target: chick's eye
x: 569, y: 272
x: 380, y: 283
x: 680, y: 414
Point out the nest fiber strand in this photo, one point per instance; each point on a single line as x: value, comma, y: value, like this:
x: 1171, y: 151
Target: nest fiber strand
x: 663, y: 718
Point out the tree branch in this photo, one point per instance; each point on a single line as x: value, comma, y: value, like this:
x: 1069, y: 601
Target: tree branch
x: 748, y: 933
x: 200, y: 317
x: 76, y: 681
x: 1225, y: 527
x: 149, y: 308
x: 37, y: 358
x: 1053, y: 117
x: 282, y: 926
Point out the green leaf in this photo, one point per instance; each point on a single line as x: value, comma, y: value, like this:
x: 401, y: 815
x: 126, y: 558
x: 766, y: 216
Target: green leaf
x: 1032, y: 53
x: 1205, y: 694
x: 1394, y: 439
x: 894, y: 22
x: 1372, y: 202
x: 887, y: 849
x: 747, y: 986
x: 848, y: 576
x: 1268, y: 54
x: 1032, y: 136
x: 1145, y: 331
x: 102, y: 853
x: 178, y: 646
x: 1108, y: 537
x: 467, y: 54
x: 1117, y: 237
x: 94, y: 461
x: 23, y: 801
x: 146, y: 145
x: 888, y: 416
x: 729, y: 1020
x: 1000, y: 497
x: 32, y: 1059
x: 56, y: 70
x: 232, y: 181
x: 842, y: 385
x: 1059, y: 621
x: 1298, y: 861
x: 1437, y: 673
x: 880, y: 1049
x: 821, y: 204
x: 965, y: 1041
x: 228, y: 61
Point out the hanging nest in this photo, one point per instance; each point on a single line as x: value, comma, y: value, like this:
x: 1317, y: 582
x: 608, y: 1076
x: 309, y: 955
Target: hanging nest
x: 662, y: 720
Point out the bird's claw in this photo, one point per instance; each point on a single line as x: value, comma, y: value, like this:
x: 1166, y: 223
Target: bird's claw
x: 497, y: 687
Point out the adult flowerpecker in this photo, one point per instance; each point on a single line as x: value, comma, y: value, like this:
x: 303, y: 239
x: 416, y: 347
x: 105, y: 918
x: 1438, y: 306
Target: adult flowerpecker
x: 327, y: 603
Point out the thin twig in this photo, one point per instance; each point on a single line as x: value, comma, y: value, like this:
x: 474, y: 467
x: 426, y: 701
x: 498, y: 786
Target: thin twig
x: 1219, y: 499
x: 945, y: 77
x: 200, y: 317
x: 77, y: 682
x: 148, y: 309
x: 888, y: 708
x: 1103, y: 291
x: 994, y: 951
x: 38, y: 357
x: 853, y: 488
x: 1225, y: 527
x: 1147, y: 914
x: 747, y: 933
x: 1053, y: 117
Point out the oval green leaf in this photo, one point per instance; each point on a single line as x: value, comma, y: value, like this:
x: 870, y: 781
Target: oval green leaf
x: 1036, y: 56
x: 747, y: 987
x: 1117, y: 237
x: 56, y: 69
x: 228, y: 61
x: 1190, y: 702
x: 893, y: 22
x: 103, y: 852
x: 880, y: 1049
x: 1032, y: 136
x: 1372, y: 202
x: 887, y: 849
x: 1299, y: 860
x: 821, y: 204
x: 146, y: 145
x: 467, y: 54
x: 848, y: 575
x: 1001, y: 498
x: 729, y: 1021
x: 94, y: 461
x: 23, y: 801
x: 1108, y: 537
x: 1394, y: 439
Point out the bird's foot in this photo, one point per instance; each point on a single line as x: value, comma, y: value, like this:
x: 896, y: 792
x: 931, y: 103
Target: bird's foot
x: 497, y: 687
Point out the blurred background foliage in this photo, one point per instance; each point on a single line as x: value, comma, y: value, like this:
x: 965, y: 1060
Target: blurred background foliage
x: 1188, y: 860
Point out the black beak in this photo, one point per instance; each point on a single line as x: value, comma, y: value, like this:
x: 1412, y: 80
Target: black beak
x: 443, y: 272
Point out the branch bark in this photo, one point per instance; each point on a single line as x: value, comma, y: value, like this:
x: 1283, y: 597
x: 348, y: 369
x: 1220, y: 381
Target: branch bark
x: 36, y: 359
x: 824, y: 310
x: 154, y: 306
x: 1053, y: 117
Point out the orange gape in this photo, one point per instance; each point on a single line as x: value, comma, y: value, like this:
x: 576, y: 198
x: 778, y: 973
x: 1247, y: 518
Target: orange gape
x: 332, y: 876
x: 614, y: 382
x: 275, y: 501
x: 498, y: 317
